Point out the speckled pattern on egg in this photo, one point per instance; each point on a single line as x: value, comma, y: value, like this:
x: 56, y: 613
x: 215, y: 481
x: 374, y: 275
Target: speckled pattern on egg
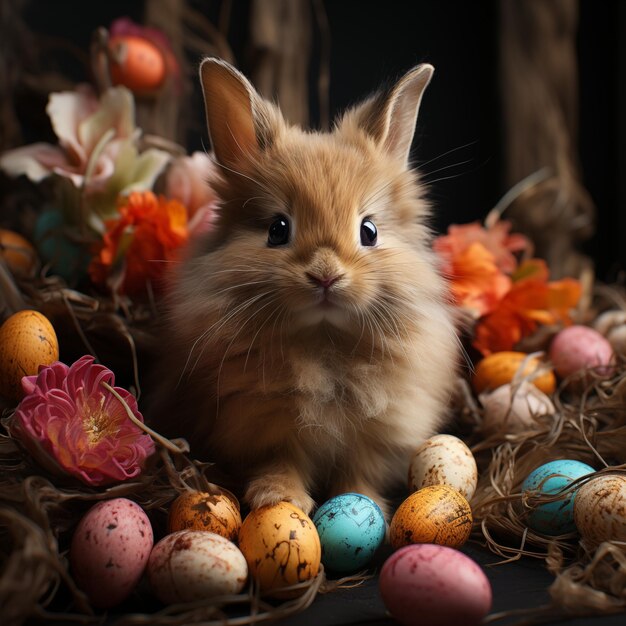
x: 196, y: 510
x: 444, y: 460
x: 557, y: 517
x: 192, y: 565
x: 27, y: 340
x: 351, y: 527
x: 109, y: 551
x: 430, y: 585
x: 436, y: 514
x: 281, y: 546
x: 600, y: 509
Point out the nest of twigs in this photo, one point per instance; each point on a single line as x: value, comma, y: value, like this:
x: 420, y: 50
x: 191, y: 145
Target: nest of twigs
x: 39, y: 511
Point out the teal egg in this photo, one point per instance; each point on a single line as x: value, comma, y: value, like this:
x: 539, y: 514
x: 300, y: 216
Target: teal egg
x: 66, y: 258
x: 351, y: 528
x: 554, y: 518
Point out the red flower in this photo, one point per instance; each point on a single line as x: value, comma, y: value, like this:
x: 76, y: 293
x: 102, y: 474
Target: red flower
x: 69, y: 419
x: 139, y: 244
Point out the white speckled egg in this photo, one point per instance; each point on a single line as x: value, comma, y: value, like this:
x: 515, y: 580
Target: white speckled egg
x: 109, y: 551
x: 192, y: 565
x: 600, y: 509
x: 513, y: 407
x: 444, y: 460
x: 430, y: 585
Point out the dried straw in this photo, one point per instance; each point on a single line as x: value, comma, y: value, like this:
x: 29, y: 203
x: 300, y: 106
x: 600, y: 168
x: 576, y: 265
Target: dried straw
x: 589, y: 424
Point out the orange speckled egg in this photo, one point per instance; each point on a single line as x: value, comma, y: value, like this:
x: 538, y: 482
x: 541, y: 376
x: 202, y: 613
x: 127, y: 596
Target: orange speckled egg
x: 27, y: 340
x: 136, y: 63
x: 281, y: 546
x: 436, y: 514
x: 499, y: 369
x: 197, y: 510
x: 17, y: 253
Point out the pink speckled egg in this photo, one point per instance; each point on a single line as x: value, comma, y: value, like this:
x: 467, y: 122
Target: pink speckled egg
x: 193, y: 565
x: 579, y: 347
x: 432, y: 585
x: 110, y: 550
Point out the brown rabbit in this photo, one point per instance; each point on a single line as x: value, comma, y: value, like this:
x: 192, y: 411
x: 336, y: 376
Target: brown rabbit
x: 311, y: 347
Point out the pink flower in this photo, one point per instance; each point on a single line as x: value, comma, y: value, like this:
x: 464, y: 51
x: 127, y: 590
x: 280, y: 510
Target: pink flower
x: 186, y: 180
x: 69, y: 416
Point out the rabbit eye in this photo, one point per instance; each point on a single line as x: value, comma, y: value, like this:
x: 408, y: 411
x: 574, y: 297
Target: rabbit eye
x: 278, y: 234
x: 369, y: 233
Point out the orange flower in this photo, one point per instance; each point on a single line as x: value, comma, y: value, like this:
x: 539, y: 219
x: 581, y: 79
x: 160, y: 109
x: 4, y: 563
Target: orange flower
x: 531, y: 301
x: 138, y: 245
x: 495, y: 238
x: 476, y: 282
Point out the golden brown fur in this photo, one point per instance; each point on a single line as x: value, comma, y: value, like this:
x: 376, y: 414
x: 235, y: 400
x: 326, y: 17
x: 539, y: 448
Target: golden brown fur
x: 294, y: 396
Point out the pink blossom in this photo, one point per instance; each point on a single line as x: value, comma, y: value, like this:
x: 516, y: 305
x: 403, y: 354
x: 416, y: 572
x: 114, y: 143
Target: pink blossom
x: 187, y: 180
x: 68, y: 416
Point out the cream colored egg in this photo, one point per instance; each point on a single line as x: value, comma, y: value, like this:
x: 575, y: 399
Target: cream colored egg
x: 444, y: 460
x: 617, y: 338
x: 600, y: 509
x: 513, y: 407
x: 193, y: 565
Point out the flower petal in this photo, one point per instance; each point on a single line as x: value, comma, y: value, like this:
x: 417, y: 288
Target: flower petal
x: 37, y: 161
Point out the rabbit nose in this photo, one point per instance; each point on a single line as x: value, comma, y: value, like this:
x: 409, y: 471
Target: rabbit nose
x: 322, y: 281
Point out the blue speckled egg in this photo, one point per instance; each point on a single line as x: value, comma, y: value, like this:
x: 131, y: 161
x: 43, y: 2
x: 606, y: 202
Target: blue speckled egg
x: 554, y: 518
x: 351, y: 527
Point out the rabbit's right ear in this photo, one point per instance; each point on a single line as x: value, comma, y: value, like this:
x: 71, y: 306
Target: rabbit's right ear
x: 231, y: 103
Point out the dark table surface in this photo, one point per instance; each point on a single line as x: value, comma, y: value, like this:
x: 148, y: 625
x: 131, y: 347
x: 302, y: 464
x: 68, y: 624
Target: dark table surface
x: 521, y: 584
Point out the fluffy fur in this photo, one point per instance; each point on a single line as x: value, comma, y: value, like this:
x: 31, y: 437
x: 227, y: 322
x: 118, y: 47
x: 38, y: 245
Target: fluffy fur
x: 298, y: 394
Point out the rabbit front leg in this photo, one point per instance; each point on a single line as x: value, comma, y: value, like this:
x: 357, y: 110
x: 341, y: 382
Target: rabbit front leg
x: 279, y: 481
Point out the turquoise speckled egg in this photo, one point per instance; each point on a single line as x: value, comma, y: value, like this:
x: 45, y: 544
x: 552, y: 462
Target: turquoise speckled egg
x: 554, y: 518
x: 351, y: 527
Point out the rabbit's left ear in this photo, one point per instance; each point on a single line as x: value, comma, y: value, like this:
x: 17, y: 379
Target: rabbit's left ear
x: 390, y: 116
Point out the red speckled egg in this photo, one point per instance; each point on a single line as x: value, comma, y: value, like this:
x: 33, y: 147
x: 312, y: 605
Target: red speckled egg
x: 193, y: 565
x: 579, y: 347
x: 430, y: 585
x: 110, y: 549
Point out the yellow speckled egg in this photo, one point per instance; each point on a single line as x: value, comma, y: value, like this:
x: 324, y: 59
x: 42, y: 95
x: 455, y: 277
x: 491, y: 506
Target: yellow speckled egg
x: 197, y: 510
x: 27, y: 340
x: 499, y: 369
x: 281, y: 546
x: 600, y: 509
x: 17, y: 253
x: 436, y: 514
x: 444, y: 460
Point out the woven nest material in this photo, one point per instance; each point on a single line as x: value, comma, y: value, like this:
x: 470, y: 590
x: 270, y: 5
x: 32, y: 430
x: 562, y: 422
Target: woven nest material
x: 39, y: 510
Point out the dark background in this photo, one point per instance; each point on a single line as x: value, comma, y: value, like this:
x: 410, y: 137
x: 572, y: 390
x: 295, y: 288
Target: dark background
x: 459, y: 136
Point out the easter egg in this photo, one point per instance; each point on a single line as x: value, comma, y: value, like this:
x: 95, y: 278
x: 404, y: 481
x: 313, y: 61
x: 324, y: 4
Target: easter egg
x: 196, y: 510
x: 351, y: 528
x: 27, y: 340
x: 193, y: 565
x: 512, y: 408
x: 501, y: 367
x: 600, y: 509
x: 63, y: 256
x: 136, y: 63
x: 18, y: 253
x: 554, y: 518
x: 432, y: 585
x: 110, y: 549
x: 281, y: 546
x: 444, y: 460
x: 577, y: 348
x: 436, y: 514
